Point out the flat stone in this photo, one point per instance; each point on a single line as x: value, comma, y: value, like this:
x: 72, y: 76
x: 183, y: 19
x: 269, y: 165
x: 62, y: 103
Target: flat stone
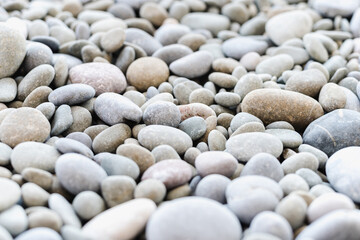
x: 45, y: 218
x: 210, y: 21
x: 113, y: 40
x: 162, y: 113
x: 33, y: 195
x: 239, y: 46
x: 62, y: 120
x: 172, y: 52
x: 140, y: 155
x: 67, y: 145
x: 308, y: 82
x: 260, y: 142
x: 13, y: 193
x: 222, y: 225
x: 38, y: 96
x: 298, y: 161
x: 87, y: 173
x: 112, y: 137
x: 329, y: 136
x: 163, y: 152
x: 275, y: 65
x: 103, y: 77
x: 216, y: 162
x: 72, y: 94
x: 289, y: 138
x: 172, y: 173
x: 113, y: 108
x: 38, y: 176
x: 297, y: 109
x: 124, y: 221
x: 33, y: 154
x: 332, y: 97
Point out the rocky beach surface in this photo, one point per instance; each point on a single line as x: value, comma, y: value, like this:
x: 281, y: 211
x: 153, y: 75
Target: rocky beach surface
x: 179, y: 119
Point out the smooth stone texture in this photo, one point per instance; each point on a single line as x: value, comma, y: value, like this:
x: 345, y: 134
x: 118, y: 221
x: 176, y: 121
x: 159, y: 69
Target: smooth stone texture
x: 152, y: 189
x: 332, y: 8
x: 156, y: 70
x: 216, y: 162
x: 62, y: 120
x: 332, y: 97
x: 263, y: 164
x: 13, y: 129
x: 155, y: 135
x: 239, y: 46
x: 87, y: 173
x: 247, y: 83
x: 8, y: 89
x: 171, y: 33
x: 88, y: 204
x: 40, y: 177
x: 172, y: 52
x: 45, y: 218
x: 197, y: 218
x: 33, y: 154
x: 172, y: 173
x: 308, y: 82
x: 81, y: 137
x: 310, y: 176
x: 241, y: 119
x: 124, y: 221
x: 284, y: 26
x: 289, y: 138
x: 245, y: 196
x: 275, y: 65
x: 163, y: 152
x: 5, y: 153
x: 113, y: 108
x: 12, y: 195
x: 296, y: 108
x: 33, y: 195
x: 13, y: 50
x: 327, y: 203
x: 341, y: 170
x: 332, y: 225
x: 71, y: 94
x: 14, y: 220
x: 114, y: 164
x: 293, y: 182
x: 65, y: 210
x: 67, y: 145
x: 162, y: 113
x: 195, y: 127
x: 37, y: 96
x: 193, y: 65
x: 213, y: 187
x: 40, y: 233
x: 210, y: 21
x: 142, y: 39
x: 293, y: 209
x: 47, y: 108
x: 112, y: 137
x: 329, y: 136
x: 272, y: 223
x: 103, y: 77
x: 117, y: 189
x: 244, y: 146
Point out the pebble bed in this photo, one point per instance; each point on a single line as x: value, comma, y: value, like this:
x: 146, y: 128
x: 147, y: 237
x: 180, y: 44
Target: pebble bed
x: 179, y: 119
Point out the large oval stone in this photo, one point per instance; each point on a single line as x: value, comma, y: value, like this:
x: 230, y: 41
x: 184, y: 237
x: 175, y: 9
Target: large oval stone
x: 193, y: 218
x: 155, y: 135
x: 103, y: 77
x: 271, y: 105
x: 334, y: 131
x: 246, y: 145
x: 124, y: 221
x: 210, y: 21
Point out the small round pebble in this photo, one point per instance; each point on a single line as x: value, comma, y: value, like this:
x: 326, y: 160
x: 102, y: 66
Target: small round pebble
x: 151, y: 188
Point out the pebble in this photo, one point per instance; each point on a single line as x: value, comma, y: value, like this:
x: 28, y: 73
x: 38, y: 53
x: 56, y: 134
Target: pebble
x: 275, y: 65
x: 341, y: 170
x: 310, y: 176
x: 72, y: 165
x: 293, y: 208
x: 63, y: 119
x: 210, y: 21
x: 162, y: 113
x: 235, y: 47
x: 5, y: 153
x: 163, y: 152
x: 114, y: 164
x: 113, y: 40
x: 172, y: 52
x: 213, y: 186
x: 39, y: 233
x: 72, y: 94
x: 45, y: 218
x: 125, y: 109
x: 67, y: 145
x: 14, y: 220
x: 260, y: 142
x: 195, y: 127
x: 171, y: 33
x: 124, y: 221
x: 198, y: 225
x: 33, y: 195
x: 65, y: 210
x: 117, y: 189
x: 143, y: 40
x: 8, y: 89
x: 156, y: 69
x: 264, y: 164
x: 172, y: 172
x: 245, y: 196
x: 308, y: 82
x: 272, y: 223
x: 246, y: 84
x: 332, y: 97
x: 40, y: 177
x: 215, y: 162
x: 155, y: 135
x: 293, y: 182
x: 331, y: 8
x: 103, y: 77
x: 216, y: 140
x: 109, y: 139
x: 328, y: 137
x: 47, y: 108
x: 88, y: 204
x: 12, y: 195
x: 81, y: 137
x: 12, y: 52
x: 302, y: 112
x: 284, y: 26
x: 152, y: 189
x: 33, y: 154
x: 289, y: 138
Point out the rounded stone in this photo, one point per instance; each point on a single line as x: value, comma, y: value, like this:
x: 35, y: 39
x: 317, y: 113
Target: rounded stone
x: 13, y: 50
x: 260, y: 142
x: 216, y: 162
x: 45, y: 218
x: 13, y: 193
x: 289, y: 138
x: 310, y: 176
x: 40, y: 233
x: 113, y: 40
x: 62, y: 120
x: 14, y: 220
x: 5, y: 153
x: 293, y: 182
x: 295, y: 108
x: 239, y: 46
x: 213, y: 186
x: 341, y: 171
x: 117, y: 189
x: 114, y: 164
x: 172, y: 52
x: 308, y: 82
x: 275, y: 65
x: 172, y: 172
x: 72, y: 94
x: 300, y: 160
x: 113, y: 108
x: 284, y: 26
x: 293, y: 209
x: 163, y: 152
x: 33, y: 195
x: 88, y: 204
x: 152, y: 189
x: 162, y: 113
x: 103, y: 77
x: 263, y: 164
x: 78, y: 173
x: 59, y: 204
x: 8, y: 89
x: 156, y: 71
x: 112, y: 137
x: 33, y: 154
x: 38, y: 176
x: 124, y: 221
x: 197, y: 218
x: 155, y: 135
x: 195, y: 127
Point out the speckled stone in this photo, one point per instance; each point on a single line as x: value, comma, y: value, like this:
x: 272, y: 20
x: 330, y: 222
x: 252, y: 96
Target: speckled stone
x: 112, y: 137
x: 156, y: 70
x: 117, y: 189
x: 308, y: 82
x: 71, y: 94
x: 296, y: 108
x: 162, y: 113
x: 103, y: 77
